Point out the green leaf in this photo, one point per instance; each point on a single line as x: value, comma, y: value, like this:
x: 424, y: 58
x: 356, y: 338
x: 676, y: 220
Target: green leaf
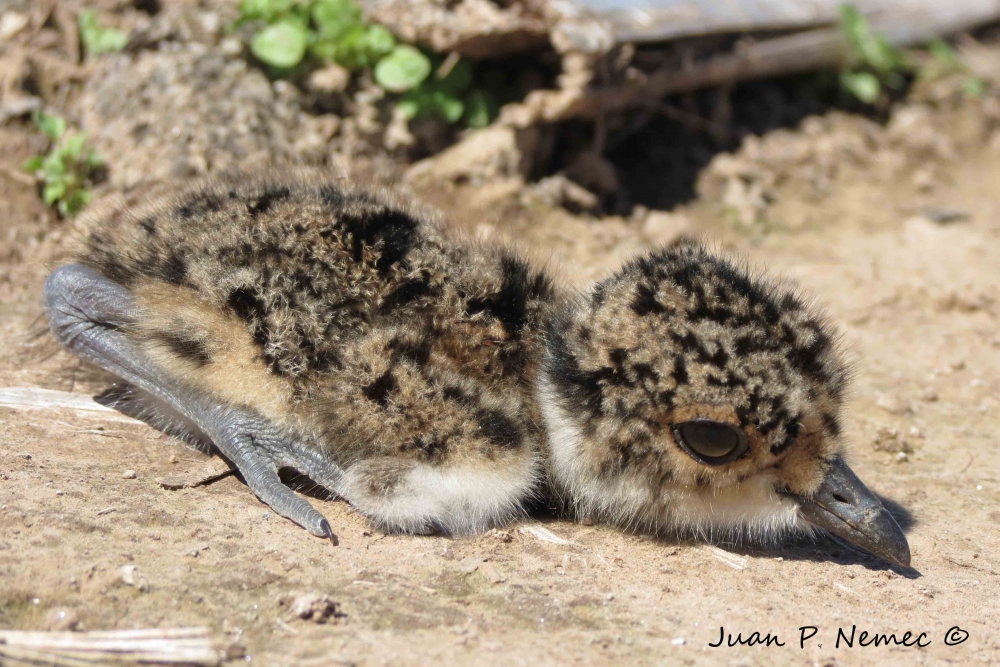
x: 51, y: 126
x: 863, y: 85
x: 53, y: 191
x: 53, y: 166
x: 282, y: 44
x: 348, y: 48
x: 974, y: 87
x: 98, y: 39
x: 34, y: 165
x: 448, y: 106
x: 75, y: 202
x: 325, y: 49
x: 73, y: 147
x: 457, y: 79
x: 377, y: 42
x: 94, y: 160
x: 403, y: 69
x: 854, y: 27
x: 944, y: 54
x: 480, y: 109
x: 334, y: 18
x: 264, y: 10
x: 410, y: 108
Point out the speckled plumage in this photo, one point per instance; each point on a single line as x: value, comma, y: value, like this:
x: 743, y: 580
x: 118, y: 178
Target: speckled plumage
x: 683, y: 334
x: 444, y: 384
x: 345, y: 315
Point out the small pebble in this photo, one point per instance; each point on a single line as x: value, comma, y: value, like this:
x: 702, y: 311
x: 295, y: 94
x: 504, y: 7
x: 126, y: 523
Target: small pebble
x: 61, y: 619
x: 929, y: 394
x: 490, y: 573
x: 128, y: 474
x: 469, y: 564
x: 678, y: 641
x: 314, y: 607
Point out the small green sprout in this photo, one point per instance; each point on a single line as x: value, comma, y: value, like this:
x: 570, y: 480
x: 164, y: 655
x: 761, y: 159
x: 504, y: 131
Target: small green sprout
x: 874, y: 63
x: 67, y: 170
x: 98, y: 39
x: 449, y: 96
x: 295, y: 31
x: 328, y: 30
x: 946, y: 62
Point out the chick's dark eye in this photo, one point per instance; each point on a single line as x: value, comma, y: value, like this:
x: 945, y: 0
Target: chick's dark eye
x: 711, y: 442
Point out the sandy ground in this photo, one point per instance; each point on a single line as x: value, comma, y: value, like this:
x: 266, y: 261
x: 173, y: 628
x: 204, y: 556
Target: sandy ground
x: 918, y: 303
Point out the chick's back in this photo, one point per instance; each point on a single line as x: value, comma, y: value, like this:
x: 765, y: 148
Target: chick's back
x: 337, y: 311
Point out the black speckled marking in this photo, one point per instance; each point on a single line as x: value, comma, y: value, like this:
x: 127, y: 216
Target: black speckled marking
x: 249, y: 307
x: 394, y: 231
x: 415, y: 351
x: 680, y: 372
x: 498, y: 428
x: 174, y: 269
x: 406, y: 292
x: 429, y: 446
x: 831, y: 423
x: 380, y: 390
x: 187, y: 348
x: 510, y: 304
x: 645, y: 301
x: 331, y: 196
x: 198, y: 204
x: 148, y: 225
x: 267, y: 199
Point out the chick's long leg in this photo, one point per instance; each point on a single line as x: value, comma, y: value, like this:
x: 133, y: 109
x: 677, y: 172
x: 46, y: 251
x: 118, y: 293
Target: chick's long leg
x: 88, y: 313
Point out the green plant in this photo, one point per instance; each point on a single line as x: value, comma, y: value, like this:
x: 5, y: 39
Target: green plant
x: 448, y: 94
x: 329, y: 30
x: 67, y: 170
x: 336, y: 31
x: 945, y: 62
x: 873, y: 62
x: 98, y: 39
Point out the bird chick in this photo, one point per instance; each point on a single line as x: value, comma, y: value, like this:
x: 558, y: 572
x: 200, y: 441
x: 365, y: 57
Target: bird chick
x: 440, y: 385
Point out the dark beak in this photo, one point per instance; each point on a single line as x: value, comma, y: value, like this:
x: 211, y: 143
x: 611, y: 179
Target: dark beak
x: 844, y: 506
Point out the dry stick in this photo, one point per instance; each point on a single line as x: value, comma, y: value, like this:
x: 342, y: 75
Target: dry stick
x: 800, y: 52
x: 167, y: 646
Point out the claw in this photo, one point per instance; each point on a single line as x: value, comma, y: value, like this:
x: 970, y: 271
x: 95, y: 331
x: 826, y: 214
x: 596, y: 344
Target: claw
x: 325, y: 527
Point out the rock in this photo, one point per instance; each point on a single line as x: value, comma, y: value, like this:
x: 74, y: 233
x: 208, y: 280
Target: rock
x: 490, y: 573
x: 315, y: 607
x: 329, y: 80
x: 129, y: 474
x: 889, y: 440
x: 231, y: 46
x: 944, y: 215
x: 469, y: 564
x: 891, y: 404
x: 558, y: 190
x: 12, y: 23
x: 131, y: 577
x: 501, y: 535
x: 492, y: 152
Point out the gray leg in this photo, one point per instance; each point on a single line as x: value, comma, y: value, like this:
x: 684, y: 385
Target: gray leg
x: 87, y: 313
